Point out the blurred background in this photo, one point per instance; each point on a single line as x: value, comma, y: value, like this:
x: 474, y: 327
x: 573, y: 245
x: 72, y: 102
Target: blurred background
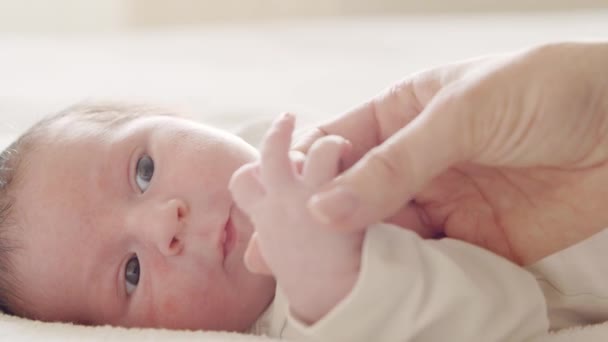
x: 234, y: 61
x: 66, y: 15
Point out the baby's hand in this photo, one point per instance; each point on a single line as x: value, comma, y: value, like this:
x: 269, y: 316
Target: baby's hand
x: 314, y: 265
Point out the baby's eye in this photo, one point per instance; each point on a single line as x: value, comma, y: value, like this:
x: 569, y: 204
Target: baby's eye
x: 132, y: 274
x: 144, y: 170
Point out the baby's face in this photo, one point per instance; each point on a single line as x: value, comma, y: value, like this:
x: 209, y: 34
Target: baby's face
x: 135, y: 226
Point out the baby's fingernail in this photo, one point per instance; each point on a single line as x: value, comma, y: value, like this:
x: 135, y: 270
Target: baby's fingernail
x: 333, y: 205
x: 285, y: 116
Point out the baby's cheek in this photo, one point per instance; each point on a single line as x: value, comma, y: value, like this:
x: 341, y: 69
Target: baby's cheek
x: 169, y: 306
x: 175, y: 312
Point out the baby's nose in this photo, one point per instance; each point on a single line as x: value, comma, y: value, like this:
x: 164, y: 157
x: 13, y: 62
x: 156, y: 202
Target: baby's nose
x: 170, y: 225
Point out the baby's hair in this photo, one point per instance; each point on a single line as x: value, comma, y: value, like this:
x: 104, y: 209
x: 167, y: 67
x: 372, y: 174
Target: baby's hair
x: 8, y: 162
x: 13, y: 159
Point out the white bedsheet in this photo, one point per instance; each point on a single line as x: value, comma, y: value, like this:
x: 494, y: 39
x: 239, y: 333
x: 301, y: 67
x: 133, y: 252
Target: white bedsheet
x: 232, y: 76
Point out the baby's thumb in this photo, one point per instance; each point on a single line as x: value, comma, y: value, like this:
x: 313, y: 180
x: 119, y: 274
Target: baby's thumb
x: 254, y: 261
x: 389, y: 175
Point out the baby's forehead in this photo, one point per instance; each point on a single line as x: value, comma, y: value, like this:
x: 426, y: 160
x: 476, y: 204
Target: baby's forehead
x: 61, y: 179
x: 69, y: 134
x: 79, y: 124
x: 74, y: 128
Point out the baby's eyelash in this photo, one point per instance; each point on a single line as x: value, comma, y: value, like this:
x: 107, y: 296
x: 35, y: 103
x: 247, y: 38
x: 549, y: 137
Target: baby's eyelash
x: 144, y: 172
x: 132, y: 273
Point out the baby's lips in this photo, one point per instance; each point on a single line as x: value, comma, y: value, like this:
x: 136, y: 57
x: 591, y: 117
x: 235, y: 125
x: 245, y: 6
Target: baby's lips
x: 227, y: 237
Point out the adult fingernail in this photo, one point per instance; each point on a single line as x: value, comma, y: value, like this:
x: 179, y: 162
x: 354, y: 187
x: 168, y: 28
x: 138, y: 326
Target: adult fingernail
x: 333, y: 205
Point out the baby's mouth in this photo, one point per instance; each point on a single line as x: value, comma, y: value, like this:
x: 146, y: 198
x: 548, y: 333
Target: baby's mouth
x: 227, y: 238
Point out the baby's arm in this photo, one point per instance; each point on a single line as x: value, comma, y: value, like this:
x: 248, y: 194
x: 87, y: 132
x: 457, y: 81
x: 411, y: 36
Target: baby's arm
x: 314, y: 266
x: 410, y: 289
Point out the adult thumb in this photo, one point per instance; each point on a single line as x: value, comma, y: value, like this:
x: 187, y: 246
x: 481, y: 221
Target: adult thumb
x: 390, y: 174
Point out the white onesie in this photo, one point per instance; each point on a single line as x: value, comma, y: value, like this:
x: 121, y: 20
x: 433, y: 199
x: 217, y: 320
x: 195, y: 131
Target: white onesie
x: 575, y: 282
x: 424, y: 290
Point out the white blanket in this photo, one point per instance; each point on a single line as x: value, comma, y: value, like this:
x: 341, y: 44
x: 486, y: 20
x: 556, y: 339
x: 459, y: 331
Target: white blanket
x: 236, y: 76
x: 20, y: 330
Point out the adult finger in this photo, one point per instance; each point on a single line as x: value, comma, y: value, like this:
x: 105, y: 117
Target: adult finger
x: 304, y: 140
x: 369, y: 124
x: 358, y: 125
x: 391, y: 173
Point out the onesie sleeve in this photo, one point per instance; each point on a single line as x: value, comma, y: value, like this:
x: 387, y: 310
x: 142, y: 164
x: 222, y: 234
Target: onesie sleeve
x: 429, y: 290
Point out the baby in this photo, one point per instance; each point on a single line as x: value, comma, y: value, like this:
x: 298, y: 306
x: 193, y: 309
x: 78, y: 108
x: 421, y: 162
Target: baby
x: 132, y: 216
x: 121, y: 215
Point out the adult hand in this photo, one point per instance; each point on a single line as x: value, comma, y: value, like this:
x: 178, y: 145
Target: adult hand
x: 507, y: 152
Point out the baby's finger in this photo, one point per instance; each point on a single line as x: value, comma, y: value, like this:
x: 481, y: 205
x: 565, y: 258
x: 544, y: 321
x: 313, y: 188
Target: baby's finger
x: 276, y: 168
x: 304, y: 140
x: 297, y: 159
x: 245, y: 186
x: 254, y: 261
x: 323, y: 160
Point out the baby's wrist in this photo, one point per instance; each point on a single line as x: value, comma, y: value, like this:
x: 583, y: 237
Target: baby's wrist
x: 311, y: 295
x: 322, y: 299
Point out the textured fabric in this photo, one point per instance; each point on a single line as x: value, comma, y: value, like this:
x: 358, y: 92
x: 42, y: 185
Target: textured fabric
x: 575, y: 282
